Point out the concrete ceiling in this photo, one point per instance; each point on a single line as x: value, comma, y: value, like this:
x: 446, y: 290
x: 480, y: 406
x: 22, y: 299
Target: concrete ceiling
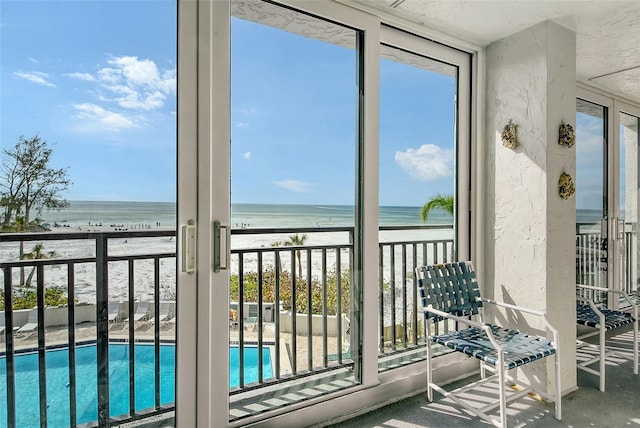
x: 607, y: 31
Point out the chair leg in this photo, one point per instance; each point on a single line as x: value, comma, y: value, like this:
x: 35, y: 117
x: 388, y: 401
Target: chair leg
x: 635, y: 346
x: 558, y: 397
x: 603, y: 353
x: 503, y: 394
x: 429, y: 367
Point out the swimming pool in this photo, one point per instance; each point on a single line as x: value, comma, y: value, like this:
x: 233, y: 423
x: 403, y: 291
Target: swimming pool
x: 27, y: 396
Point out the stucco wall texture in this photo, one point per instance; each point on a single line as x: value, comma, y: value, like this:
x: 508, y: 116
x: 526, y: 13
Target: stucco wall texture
x: 529, y: 241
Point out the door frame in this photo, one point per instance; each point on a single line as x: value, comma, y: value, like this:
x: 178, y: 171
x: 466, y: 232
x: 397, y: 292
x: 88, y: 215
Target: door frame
x: 614, y: 106
x: 202, y: 388
x: 204, y: 130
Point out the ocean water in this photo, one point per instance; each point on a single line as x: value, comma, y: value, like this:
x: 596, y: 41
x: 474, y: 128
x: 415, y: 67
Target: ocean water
x: 135, y: 215
x: 265, y: 215
x: 131, y: 215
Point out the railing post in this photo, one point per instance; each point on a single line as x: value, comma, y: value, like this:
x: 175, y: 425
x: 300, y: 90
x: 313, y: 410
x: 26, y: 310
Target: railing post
x: 42, y: 366
x: 156, y: 330
x: 71, y: 326
x: 294, y: 316
x: 132, y: 344
x: 102, y: 327
x: 10, y: 361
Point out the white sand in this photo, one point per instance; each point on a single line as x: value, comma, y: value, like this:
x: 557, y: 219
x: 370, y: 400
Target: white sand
x: 118, y: 273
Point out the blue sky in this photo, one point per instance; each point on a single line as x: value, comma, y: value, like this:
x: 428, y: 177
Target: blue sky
x: 97, y: 80
x: 589, y: 162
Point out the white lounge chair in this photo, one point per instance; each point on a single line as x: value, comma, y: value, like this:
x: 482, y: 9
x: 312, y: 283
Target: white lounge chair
x: 142, y: 311
x: 2, y: 323
x: 251, y: 322
x: 32, y: 323
x: 165, y: 311
x: 114, y: 311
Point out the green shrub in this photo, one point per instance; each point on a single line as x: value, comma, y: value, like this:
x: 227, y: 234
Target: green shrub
x: 26, y: 297
x: 250, y: 290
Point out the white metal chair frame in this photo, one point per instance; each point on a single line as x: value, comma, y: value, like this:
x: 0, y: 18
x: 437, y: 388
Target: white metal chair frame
x: 600, y: 321
x: 456, y: 283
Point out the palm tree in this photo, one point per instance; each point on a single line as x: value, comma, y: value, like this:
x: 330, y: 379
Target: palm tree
x: 297, y: 240
x: 277, y: 254
x: 36, y: 254
x: 443, y: 201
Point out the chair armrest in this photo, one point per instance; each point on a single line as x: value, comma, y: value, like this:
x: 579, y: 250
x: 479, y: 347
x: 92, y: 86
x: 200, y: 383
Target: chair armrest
x: 624, y: 294
x: 542, y: 314
x: 485, y: 327
x: 510, y: 306
x: 596, y: 288
x: 454, y: 317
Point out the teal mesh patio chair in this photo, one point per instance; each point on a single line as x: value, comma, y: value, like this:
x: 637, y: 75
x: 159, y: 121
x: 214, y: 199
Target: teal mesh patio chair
x: 450, y: 292
x: 595, y: 320
x: 251, y: 322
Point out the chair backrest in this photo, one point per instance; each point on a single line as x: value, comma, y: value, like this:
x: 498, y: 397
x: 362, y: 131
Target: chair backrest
x: 164, y: 308
x: 253, y: 311
x: 451, y: 288
x: 33, y: 316
x: 143, y: 307
x: 599, y: 298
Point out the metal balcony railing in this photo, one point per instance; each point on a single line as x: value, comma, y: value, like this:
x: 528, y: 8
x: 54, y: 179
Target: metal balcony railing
x: 592, y: 258
x: 18, y: 343
x: 293, y: 300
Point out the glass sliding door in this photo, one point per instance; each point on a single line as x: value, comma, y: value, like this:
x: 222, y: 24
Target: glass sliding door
x: 592, y: 190
x: 423, y: 176
x: 294, y: 146
x: 628, y: 202
x: 607, y: 186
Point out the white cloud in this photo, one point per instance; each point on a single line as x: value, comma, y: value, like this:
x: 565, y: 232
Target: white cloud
x: 137, y: 84
x: 429, y: 162
x: 33, y: 60
x: 35, y: 77
x: 242, y: 125
x: 99, y: 119
x: 246, y: 155
x: 82, y: 76
x: 293, y: 185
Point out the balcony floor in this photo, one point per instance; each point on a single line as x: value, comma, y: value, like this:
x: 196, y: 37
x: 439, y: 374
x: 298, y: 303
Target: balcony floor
x: 587, y: 406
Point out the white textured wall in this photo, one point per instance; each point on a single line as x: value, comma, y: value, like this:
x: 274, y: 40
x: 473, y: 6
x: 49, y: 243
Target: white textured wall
x: 530, y: 236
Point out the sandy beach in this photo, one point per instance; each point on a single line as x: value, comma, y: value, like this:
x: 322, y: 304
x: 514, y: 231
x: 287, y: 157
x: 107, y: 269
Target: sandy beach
x: 85, y: 274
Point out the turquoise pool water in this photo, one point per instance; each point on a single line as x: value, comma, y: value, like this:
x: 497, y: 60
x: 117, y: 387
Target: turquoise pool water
x: 27, y: 396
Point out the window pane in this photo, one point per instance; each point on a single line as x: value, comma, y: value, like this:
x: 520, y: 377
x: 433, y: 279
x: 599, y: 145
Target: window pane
x: 294, y: 122
x: 417, y: 169
x: 591, y: 197
x: 96, y: 81
x: 629, y: 203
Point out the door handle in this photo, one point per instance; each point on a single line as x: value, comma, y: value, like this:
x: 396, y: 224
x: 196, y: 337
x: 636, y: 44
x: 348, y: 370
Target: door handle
x: 189, y: 247
x: 218, y: 251
x: 621, y: 231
